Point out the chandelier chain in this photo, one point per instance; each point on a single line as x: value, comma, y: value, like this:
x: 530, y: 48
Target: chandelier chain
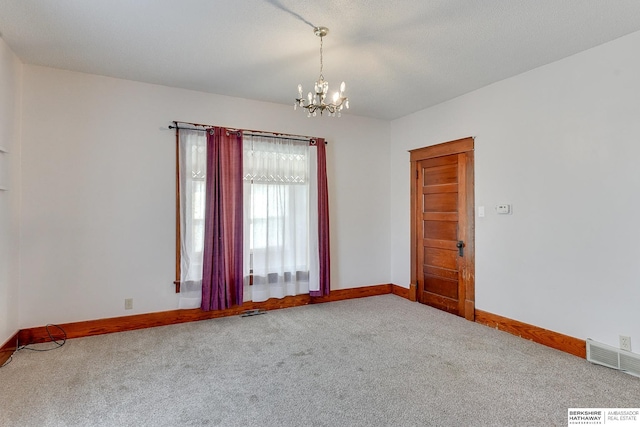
x: 321, y: 64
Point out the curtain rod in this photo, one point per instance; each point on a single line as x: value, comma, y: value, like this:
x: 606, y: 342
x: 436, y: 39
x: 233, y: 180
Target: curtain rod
x: 245, y: 132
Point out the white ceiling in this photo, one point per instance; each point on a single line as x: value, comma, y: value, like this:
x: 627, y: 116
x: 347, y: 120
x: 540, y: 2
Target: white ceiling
x: 397, y: 57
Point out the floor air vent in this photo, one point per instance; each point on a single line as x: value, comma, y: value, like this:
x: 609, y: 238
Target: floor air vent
x: 612, y: 357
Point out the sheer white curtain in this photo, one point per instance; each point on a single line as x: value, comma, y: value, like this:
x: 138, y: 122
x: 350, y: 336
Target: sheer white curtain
x: 192, y: 157
x: 276, y: 218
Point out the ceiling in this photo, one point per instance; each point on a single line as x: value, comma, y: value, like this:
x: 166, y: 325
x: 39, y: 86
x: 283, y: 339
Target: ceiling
x: 397, y: 57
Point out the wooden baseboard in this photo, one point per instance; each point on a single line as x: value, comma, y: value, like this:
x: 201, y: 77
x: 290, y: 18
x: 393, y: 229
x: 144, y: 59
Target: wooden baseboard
x: 8, y: 348
x: 539, y: 335
x: 163, y: 318
x: 343, y: 294
x: 401, y: 292
x: 561, y: 342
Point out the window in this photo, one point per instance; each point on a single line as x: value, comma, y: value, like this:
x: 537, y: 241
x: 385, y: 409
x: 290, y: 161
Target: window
x: 192, y: 155
x: 276, y: 217
x: 280, y: 217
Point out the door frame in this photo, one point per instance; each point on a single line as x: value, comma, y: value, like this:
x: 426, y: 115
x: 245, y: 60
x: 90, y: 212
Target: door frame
x: 465, y: 219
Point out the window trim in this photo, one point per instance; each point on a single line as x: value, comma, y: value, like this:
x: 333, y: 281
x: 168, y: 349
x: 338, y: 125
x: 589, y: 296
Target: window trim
x: 176, y: 282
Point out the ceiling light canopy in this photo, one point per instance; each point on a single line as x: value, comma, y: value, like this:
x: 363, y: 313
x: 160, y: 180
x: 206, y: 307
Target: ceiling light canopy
x: 316, y: 101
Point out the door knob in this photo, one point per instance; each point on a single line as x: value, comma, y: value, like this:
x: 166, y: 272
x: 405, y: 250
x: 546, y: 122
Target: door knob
x: 460, y: 246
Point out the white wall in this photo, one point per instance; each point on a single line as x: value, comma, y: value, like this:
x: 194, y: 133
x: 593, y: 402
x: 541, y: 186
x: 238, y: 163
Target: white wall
x: 10, y: 85
x: 561, y: 143
x: 98, y: 191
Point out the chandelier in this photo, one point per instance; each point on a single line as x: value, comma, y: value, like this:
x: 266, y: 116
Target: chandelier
x: 316, y: 101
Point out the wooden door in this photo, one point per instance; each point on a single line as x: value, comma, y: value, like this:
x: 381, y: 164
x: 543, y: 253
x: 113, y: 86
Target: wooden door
x: 442, y: 232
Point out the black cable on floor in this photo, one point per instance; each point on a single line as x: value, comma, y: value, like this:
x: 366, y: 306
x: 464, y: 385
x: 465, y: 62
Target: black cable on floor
x: 57, y: 342
x: 6, y: 362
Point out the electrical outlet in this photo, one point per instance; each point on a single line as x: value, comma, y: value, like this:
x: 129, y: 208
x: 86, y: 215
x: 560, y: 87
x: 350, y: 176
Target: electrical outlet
x: 128, y: 304
x: 504, y: 209
x: 625, y: 343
